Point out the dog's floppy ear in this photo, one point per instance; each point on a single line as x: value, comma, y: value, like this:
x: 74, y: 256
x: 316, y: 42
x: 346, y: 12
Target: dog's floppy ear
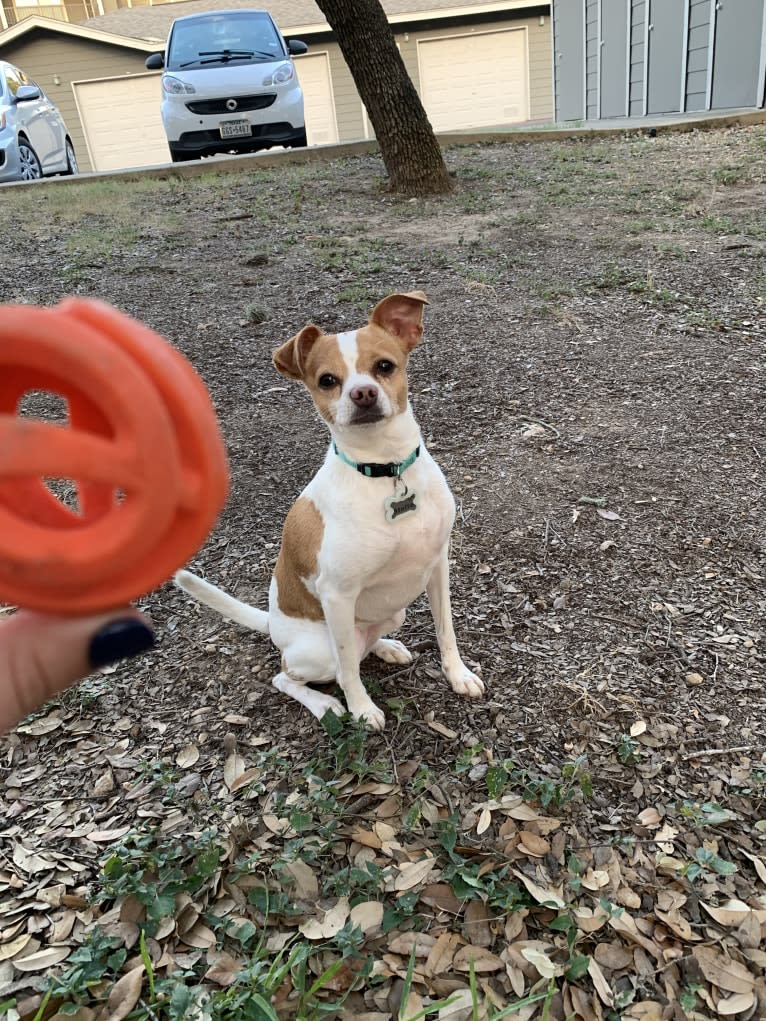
x: 402, y: 316
x: 290, y: 358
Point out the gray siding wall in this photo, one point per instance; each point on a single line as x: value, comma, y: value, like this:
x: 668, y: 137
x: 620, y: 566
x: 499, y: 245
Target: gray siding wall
x: 592, y: 58
x: 697, y: 59
x: 735, y: 78
x: 637, y: 55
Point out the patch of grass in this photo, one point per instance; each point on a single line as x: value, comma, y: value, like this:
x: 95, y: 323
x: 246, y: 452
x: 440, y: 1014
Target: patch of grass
x: 154, y: 870
x: 642, y: 226
x: 671, y: 250
x: 612, y: 275
x: 360, y: 258
x: 256, y: 313
x: 728, y: 175
x: 360, y: 296
x: 647, y: 287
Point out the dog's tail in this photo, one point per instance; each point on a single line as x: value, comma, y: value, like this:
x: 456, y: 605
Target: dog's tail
x: 226, y: 605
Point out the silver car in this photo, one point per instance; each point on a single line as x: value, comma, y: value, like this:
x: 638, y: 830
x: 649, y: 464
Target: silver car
x: 33, y: 137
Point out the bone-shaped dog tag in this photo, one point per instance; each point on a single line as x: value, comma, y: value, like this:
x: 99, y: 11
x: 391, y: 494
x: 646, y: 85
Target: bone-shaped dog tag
x: 399, y: 505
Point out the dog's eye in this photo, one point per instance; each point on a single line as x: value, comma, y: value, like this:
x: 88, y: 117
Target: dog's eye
x: 327, y: 381
x: 385, y: 367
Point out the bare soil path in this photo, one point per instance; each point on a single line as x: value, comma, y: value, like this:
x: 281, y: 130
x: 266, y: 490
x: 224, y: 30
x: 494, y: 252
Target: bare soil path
x: 592, y: 835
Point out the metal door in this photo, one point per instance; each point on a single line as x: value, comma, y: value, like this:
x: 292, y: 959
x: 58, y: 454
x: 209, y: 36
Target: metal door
x: 665, y: 55
x: 739, y: 27
x: 569, y: 43
x: 615, y: 58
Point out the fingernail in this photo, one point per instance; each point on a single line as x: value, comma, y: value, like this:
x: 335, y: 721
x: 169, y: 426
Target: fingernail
x: 120, y: 639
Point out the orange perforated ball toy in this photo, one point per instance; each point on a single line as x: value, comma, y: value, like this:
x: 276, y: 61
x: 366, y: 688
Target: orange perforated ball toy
x: 141, y: 445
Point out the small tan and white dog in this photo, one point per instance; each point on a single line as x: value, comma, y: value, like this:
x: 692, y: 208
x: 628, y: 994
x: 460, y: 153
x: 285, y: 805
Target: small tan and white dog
x: 369, y: 533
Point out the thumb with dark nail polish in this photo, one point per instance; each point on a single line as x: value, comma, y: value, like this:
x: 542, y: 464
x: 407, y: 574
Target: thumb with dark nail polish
x: 41, y: 655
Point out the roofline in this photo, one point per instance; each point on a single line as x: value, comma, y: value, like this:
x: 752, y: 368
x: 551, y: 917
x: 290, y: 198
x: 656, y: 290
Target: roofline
x: 150, y: 45
x: 435, y: 13
x: 95, y: 35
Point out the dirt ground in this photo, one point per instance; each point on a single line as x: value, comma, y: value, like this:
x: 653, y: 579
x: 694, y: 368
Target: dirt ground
x: 591, y: 382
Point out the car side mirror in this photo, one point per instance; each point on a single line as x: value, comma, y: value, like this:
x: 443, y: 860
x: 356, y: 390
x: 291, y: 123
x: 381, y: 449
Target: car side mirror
x: 25, y: 93
x: 296, y: 47
x: 155, y: 62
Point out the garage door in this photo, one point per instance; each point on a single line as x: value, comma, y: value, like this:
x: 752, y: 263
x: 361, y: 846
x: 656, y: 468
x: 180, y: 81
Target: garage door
x: 121, y: 121
x: 475, y: 81
x: 319, y: 103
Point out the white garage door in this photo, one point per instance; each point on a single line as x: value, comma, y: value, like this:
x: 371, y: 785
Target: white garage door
x: 319, y: 103
x: 474, y: 81
x: 121, y: 120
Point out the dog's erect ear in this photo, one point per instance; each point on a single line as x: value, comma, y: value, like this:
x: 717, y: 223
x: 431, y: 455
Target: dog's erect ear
x: 290, y: 358
x: 402, y: 316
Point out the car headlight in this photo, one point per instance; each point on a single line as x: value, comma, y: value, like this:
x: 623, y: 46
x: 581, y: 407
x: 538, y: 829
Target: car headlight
x: 176, y: 87
x: 284, y: 73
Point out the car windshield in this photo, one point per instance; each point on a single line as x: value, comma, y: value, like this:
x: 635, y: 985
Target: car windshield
x: 232, y: 37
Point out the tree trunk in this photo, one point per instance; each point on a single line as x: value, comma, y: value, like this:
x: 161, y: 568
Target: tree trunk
x: 407, y: 143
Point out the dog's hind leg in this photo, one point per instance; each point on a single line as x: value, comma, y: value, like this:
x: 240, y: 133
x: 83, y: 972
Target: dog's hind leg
x: 391, y: 651
x: 317, y: 702
x: 387, y: 649
x: 307, y: 658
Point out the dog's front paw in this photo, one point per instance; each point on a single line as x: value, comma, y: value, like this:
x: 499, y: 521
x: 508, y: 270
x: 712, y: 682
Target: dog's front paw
x: 466, y: 682
x: 372, y: 717
x: 391, y: 651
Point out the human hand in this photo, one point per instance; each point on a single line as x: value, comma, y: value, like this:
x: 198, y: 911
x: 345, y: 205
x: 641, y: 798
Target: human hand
x: 41, y: 655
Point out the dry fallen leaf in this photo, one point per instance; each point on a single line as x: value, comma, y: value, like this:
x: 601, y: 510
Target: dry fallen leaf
x: 223, y: 968
x: 421, y: 942
x: 41, y: 960
x: 123, y: 996
x: 333, y: 921
x: 600, y: 983
x: 233, y: 767
x: 442, y: 953
x: 758, y: 863
x: 107, y: 836
x: 187, y: 757
x: 42, y: 725
x: 541, y: 895
x: 481, y: 959
x: 441, y: 729
x: 723, y: 971
x: 8, y: 950
x: 306, y: 885
x: 650, y: 818
x: 733, y: 912
x: 736, y: 1004
x: 411, y: 874
x: 367, y: 916
x: 532, y: 844
x: 485, y: 821
x: 540, y: 960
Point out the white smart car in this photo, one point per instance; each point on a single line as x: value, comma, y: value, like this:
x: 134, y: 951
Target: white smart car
x: 229, y: 85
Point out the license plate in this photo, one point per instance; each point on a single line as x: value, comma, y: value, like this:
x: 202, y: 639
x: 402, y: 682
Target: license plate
x: 234, y: 129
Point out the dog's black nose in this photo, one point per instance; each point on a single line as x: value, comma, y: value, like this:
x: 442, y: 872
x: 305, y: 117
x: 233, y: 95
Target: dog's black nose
x: 364, y: 396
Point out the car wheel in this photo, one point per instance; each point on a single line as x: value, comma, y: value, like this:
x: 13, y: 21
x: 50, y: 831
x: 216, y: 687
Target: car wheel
x: 31, y: 168
x: 300, y: 141
x: 71, y: 159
